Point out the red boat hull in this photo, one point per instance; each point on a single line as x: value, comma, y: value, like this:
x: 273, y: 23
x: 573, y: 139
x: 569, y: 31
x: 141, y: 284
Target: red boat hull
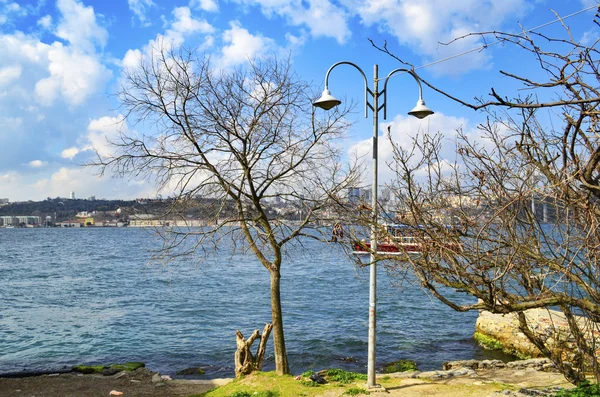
x: 364, y: 248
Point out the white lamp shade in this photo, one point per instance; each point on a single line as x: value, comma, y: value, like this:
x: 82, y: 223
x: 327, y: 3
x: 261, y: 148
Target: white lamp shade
x: 420, y: 111
x: 327, y: 101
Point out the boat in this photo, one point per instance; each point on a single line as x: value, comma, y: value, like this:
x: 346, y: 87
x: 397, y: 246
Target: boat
x: 396, y: 240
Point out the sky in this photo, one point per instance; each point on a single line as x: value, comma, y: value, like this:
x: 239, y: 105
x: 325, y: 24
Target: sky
x: 61, y: 63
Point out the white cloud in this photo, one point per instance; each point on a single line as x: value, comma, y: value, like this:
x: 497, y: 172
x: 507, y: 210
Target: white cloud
x: 83, y: 181
x: 132, y: 59
x: 37, y: 163
x: 589, y: 37
x: 423, y: 24
x: 322, y: 17
x: 45, y: 22
x: 186, y: 25
x: 69, y: 153
x: 206, y: 5
x: 403, y: 129
x: 9, y: 10
x: 102, y: 131
x: 74, y: 75
x: 9, y: 73
x: 183, y: 26
x: 13, y: 7
x: 78, y: 26
x: 240, y: 45
x: 139, y: 8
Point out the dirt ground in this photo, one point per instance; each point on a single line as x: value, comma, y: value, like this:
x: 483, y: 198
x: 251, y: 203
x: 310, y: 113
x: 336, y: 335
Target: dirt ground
x: 132, y: 384
x: 139, y: 384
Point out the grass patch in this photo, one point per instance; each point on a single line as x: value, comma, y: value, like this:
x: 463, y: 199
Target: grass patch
x: 344, y: 377
x: 400, y: 366
x: 586, y: 389
x: 263, y: 383
x: 355, y: 391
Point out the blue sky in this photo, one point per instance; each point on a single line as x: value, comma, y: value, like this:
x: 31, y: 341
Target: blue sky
x: 61, y: 61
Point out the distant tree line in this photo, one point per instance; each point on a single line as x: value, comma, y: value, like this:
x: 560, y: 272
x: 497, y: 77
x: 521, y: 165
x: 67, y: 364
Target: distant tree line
x: 62, y: 207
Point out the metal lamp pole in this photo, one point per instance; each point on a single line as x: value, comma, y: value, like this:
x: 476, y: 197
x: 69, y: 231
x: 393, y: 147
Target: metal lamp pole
x: 327, y: 102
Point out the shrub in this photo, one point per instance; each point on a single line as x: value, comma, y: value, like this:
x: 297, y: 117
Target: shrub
x: 586, y: 389
x: 355, y: 391
x: 339, y: 375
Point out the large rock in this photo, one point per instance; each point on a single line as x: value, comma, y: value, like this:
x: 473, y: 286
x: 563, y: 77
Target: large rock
x: 501, y: 332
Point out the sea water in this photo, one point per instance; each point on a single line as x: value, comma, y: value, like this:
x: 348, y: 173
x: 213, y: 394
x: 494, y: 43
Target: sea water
x: 72, y: 296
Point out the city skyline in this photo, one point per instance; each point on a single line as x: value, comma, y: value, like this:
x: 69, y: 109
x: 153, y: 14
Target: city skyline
x: 61, y: 66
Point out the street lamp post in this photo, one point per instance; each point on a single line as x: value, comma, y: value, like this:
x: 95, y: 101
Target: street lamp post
x: 327, y: 101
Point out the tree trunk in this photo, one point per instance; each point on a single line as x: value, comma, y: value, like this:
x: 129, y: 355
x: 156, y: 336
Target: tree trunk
x: 245, y: 362
x: 281, y: 363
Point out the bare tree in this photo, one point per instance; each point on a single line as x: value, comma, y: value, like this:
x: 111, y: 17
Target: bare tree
x: 234, y: 139
x: 521, y: 200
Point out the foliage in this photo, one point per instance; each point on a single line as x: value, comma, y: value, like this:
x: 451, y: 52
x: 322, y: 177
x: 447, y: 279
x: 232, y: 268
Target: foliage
x: 512, y: 216
x: 307, y: 374
x: 342, y: 376
x: 355, y: 391
x: 288, y: 386
x: 284, y: 386
x: 400, y: 366
x: 585, y: 389
x: 63, y: 208
x: 241, y: 137
x: 309, y: 383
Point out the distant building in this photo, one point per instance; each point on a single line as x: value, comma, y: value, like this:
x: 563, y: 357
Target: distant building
x: 72, y: 196
x: 20, y: 220
x: 71, y: 223
x: 354, y: 194
x: 4, y: 201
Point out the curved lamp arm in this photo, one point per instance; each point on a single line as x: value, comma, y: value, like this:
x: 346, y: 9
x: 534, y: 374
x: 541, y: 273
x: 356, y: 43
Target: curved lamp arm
x: 367, y: 90
x: 413, y: 74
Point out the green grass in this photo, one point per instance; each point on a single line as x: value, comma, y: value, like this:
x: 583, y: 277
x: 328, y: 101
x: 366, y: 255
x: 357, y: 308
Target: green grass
x: 269, y: 384
x: 344, y: 377
x: 355, y: 391
x: 586, y: 389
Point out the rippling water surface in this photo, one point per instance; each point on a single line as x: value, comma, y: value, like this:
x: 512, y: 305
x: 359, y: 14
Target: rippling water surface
x: 70, y: 296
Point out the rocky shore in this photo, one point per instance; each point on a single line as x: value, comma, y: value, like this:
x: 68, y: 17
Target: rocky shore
x: 492, y: 378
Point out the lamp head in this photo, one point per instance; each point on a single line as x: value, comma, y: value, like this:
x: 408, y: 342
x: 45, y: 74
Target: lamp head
x: 420, y: 111
x: 327, y: 101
